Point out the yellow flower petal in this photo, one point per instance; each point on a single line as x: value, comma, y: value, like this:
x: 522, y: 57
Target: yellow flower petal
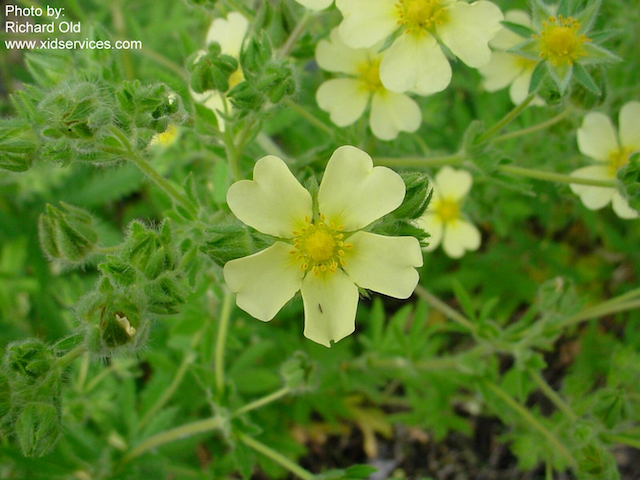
x: 459, y: 236
x: 384, y: 264
x: 597, y: 137
x: 594, y: 198
x: 273, y: 202
x: 353, y: 193
x: 330, y: 303
x: 344, y: 99
x: 264, y: 281
x: 630, y: 125
x: 392, y: 113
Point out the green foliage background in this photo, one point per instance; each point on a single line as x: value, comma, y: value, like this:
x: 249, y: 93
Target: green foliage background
x: 538, y: 355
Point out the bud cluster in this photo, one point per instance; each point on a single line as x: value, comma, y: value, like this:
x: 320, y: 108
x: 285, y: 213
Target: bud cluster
x: 268, y: 80
x: 86, y: 121
x: 141, y: 280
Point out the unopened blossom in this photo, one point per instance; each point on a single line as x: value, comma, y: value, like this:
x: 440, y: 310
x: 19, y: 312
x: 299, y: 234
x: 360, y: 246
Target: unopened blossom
x: 347, y: 98
x: 415, y: 60
x: 323, y: 253
x: 598, y: 139
x: 315, y: 4
x: 506, y: 68
x: 444, y: 219
x: 229, y: 33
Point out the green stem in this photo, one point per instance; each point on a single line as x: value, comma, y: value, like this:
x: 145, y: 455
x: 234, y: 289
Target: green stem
x: 168, y: 393
x: 223, y: 328
x: 277, y: 457
x: 445, y: 309
x: 555, y: 177
x: 454, y: 159
x: 630, y: 441
x: 234, y: 5
x: 630, y: 295
x: 506, y: 119
x: 533, y: 421
x: 177, y: 433
x: 163, y: 184
x: 552, y: 395
x: 293, y: 38
x: 598, y: 312
x: 540, y: 126
x: 310, y: 118
x: 261, y: 402
x: 70, y: 356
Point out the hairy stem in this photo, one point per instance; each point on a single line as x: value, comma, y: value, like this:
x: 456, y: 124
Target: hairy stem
x: 223, y: 328
x: 310, y: 118
x: 555, y: 177
x: 70, y: 356
x: 261, y: 402
x: 598, y: 312
x: 445, y: 309
x: 277, y: 457
x: 177, y: 433
x: 552, y: 395
x: 534, y: 128
x: 297, y: 32
x: 508, y: 118
x: 528, y: 417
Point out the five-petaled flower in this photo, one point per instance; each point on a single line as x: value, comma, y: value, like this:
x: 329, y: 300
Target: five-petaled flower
x: 323, y: 252
x: 443, y: 219
x: 347, y: 98
x: 506, y: 68
x: 229, y: 33
x: 415, y: 60
x: 597, y: 139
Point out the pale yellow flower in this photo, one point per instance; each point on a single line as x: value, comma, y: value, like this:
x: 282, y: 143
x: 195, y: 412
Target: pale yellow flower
x: 415, y: 61
x: 444, y: 220
x: 325, y: 254
x: 229, y: 33
x: 347, y: 98
x: 508, y: 69
x: 597, y: 139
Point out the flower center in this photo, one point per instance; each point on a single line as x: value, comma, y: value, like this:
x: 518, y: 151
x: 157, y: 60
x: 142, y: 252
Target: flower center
x: 447, y: 210
x: 420, y: 14
x: 320, y: 247
x: 370, y: 75
x: 618, y: 159
x: 560, y: 42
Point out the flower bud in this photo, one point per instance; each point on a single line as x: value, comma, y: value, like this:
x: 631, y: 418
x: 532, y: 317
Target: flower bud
x: 228, y: 242
x: 118, y: 271
x: 629, y: 177
x: 148, y: 250
x: 17, y: 145
x: 417, y: 196
x: 211, y: 70
x: 299, y: 372
x: 67, y: 234
x: 38, y: 429
x: 164, y: 295
x: 113, y: 319
x: 28, y: 361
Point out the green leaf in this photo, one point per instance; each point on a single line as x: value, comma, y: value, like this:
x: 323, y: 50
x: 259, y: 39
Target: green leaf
x: 465, y: 300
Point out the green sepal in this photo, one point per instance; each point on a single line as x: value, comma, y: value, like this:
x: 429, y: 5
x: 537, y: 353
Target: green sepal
x: 585, y: 79
x: 539, y: 73
x: 585, y: 98
x: 223, y: 243
x: 518, y: 29
x: 118, y: 271
x: 164, y: 295
x: 527, y: 49
x: 629, y: 184
x: 417, y: 197
x: 28, y: 362
x: 588, y: 15
x: 561, y: 76
x: 595, y: 54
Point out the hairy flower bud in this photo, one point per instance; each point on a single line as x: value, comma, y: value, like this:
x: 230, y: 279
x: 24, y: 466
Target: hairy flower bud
x: 38, y: 429
x: 67, y: 233
x: 17, y: 145
x: 211, y: 70
x: 28, y: 361
x: 5, y: 396
x: 417, y: 197
x: 299, y: 372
